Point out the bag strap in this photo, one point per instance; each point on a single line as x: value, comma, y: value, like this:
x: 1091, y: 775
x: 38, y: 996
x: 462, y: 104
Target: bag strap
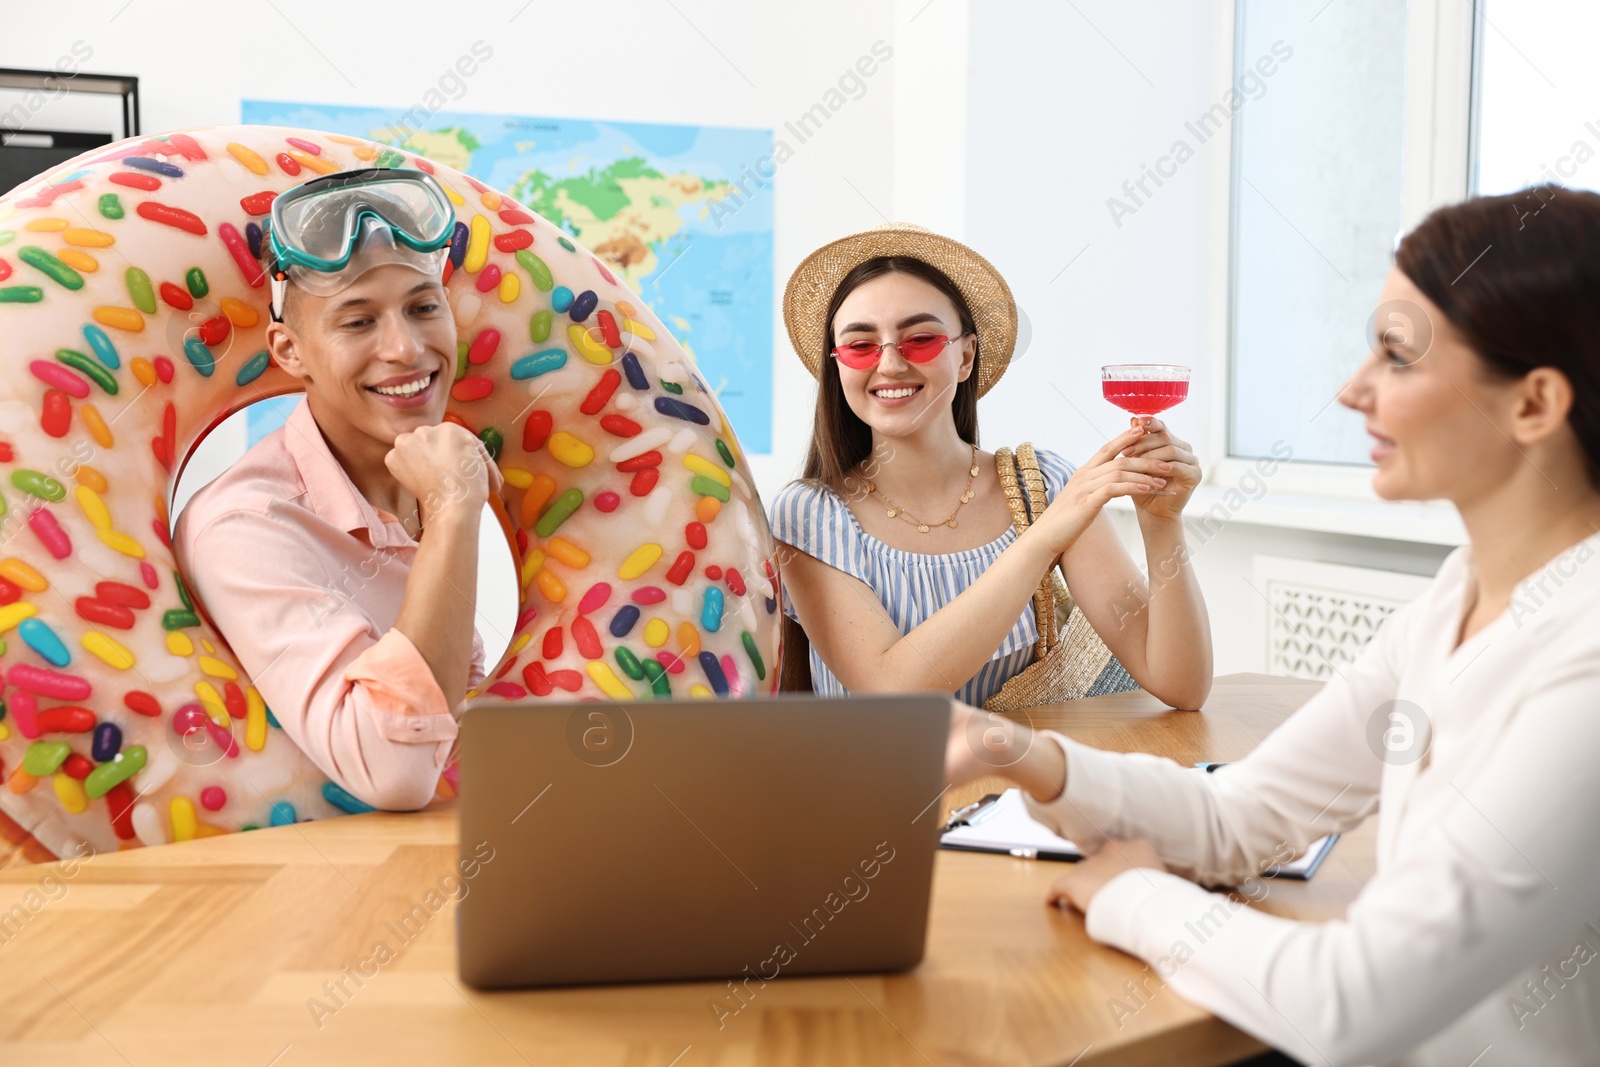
x: 1033, y: 478
x: 1038, y: 499
x: 1024, y: 488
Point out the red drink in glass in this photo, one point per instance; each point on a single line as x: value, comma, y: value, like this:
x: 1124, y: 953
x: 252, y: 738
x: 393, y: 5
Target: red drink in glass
x: 1144, y: 388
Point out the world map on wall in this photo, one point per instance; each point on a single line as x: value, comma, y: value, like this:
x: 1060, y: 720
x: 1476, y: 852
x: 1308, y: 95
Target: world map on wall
x: 662, y: 205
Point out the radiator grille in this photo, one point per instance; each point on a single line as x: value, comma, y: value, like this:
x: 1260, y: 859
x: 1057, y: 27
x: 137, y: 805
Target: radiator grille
x: 1320, y: 615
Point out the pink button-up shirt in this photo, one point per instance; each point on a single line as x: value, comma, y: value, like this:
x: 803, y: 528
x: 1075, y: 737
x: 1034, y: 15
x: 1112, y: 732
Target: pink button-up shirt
x: 305, y: 579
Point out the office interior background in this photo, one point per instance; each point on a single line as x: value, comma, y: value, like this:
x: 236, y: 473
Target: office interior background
x: 1215, y: 183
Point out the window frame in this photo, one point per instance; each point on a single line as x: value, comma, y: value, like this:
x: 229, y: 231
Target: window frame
x: 1437, y: 145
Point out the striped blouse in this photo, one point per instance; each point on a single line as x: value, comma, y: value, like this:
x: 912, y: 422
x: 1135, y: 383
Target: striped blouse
x: 911, y: 585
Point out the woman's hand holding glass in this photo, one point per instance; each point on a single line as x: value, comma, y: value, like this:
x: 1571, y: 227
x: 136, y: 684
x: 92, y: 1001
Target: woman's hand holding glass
x: 1174, y: 460
x: 1113, y: 471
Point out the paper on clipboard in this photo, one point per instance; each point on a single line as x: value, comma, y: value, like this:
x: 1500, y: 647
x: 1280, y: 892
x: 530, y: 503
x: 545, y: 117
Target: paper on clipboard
x: 1005, y: 826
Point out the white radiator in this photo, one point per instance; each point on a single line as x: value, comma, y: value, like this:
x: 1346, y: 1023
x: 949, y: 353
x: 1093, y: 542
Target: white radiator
x: 1319, y: 615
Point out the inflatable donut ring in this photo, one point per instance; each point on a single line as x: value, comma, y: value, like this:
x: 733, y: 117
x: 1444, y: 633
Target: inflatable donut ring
x: 132, y: 319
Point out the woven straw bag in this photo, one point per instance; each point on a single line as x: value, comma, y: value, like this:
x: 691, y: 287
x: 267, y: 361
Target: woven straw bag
x: 1069, y: 656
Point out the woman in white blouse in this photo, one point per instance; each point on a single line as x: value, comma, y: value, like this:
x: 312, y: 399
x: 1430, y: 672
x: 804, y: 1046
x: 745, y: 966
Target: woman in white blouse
x: 1471, y: 723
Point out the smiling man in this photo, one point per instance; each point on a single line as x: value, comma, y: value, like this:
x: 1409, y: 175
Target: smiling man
x: 339, y: 556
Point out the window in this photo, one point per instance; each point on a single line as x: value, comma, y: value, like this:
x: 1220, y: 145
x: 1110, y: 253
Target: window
x: 1535, y: 93
x: 1382, y: 112
x: 1317, y: 198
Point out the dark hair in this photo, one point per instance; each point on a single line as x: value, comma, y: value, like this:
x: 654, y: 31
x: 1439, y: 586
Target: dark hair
x: 840, y: 441
x: 1519, y: 277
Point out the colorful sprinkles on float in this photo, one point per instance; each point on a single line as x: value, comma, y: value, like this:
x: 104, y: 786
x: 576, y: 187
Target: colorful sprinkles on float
x: 132, y: 311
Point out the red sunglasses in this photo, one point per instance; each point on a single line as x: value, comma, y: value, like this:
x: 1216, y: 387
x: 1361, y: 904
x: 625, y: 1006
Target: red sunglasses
x: 919, y: 348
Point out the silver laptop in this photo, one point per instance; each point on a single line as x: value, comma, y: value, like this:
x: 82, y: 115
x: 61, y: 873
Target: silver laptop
x: 679, y: 839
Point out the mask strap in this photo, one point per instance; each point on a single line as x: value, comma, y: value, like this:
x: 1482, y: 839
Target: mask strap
x: 280, y: 288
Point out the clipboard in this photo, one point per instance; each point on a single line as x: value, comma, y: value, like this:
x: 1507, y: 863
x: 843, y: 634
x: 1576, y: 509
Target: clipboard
x: 1001, y: 824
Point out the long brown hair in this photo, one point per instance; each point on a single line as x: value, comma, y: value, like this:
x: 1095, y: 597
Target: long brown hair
x: 1533, y: 301
x: 840, y: 441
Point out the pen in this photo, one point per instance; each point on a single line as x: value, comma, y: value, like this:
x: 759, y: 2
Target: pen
x: 1044, y: 854
x: 962, y: 816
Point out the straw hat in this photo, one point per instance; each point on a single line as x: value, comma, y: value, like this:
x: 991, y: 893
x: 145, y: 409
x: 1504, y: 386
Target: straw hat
x: 814, y: 281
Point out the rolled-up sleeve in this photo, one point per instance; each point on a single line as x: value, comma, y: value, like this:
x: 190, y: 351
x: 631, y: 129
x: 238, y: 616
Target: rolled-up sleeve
x: 407, y: 702
x: 362, y: 704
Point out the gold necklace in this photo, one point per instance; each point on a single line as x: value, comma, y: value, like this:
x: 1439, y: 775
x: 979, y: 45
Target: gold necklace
x: 895, y: 510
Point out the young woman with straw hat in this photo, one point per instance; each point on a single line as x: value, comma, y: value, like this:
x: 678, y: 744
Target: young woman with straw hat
x: 900, y: 563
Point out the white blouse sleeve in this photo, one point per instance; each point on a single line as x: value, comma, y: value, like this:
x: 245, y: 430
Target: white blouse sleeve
x: 1500, y: 881
x: 1313, y: 775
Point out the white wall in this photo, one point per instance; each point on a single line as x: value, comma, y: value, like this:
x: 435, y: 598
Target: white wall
x: 1006, y: 124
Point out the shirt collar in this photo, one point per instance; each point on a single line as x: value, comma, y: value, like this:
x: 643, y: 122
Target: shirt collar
x: 329, y: 491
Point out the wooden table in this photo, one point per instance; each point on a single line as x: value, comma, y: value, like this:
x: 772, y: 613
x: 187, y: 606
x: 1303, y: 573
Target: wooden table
x: 216, y: 952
